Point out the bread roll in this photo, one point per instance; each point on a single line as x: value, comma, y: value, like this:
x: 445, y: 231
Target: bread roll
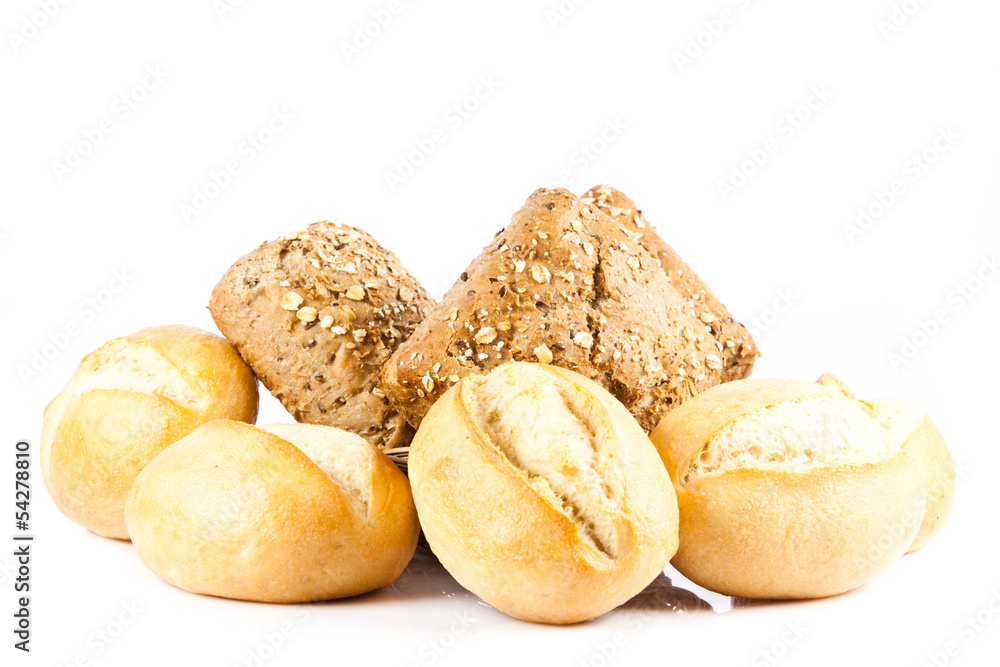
x: 564, y: 284
x: 734, y: 343
x: 127, y: 401
x: 790, y: 489
x: 316, y: 314
x: 540, y: 493
x: 280, y: 513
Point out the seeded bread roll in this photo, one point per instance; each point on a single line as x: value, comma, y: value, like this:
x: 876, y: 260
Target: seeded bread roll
x: 790, y: 489
x: 568, y: 285
x: 736, y: 346
x: 316, y: 314
x: 540, y: 493
x: 280, y: 513
x: 127, y: 401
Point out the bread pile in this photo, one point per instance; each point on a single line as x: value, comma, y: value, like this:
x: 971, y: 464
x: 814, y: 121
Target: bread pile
x: 569, y: 418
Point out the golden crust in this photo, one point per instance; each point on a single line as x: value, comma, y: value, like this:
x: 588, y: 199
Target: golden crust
x: 517, y: 547
x: 235, y: 511
x: 779, y: 535
x: 127, y: 401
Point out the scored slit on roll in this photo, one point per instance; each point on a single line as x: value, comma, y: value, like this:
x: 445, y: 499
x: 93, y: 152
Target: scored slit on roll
x: 129, y: 367
x: 558, y: 442
x: 793, y: 435
x: 344, y: 457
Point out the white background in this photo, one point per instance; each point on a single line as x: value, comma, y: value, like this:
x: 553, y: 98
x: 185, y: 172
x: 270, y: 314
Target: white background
x: 673, y: 132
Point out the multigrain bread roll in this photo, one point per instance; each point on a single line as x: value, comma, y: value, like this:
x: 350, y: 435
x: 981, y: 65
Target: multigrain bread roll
x: 790, y: 489
x: 127, y: 401
x: 735, y: 345
x: 540, y: 493
x: 564, y: 284
x: 280, y: 513
x: 316, y: 314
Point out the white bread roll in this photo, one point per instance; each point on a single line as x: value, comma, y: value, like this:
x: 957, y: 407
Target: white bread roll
x: 280, y: 513
x: 539, y: 492
x: 791, y: 489
x: 127, y: 401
